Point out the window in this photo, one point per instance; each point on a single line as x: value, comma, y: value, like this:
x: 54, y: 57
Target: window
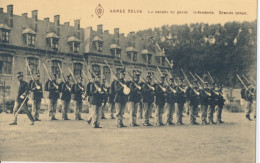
x: 77, y: 69
x: 116, y: 52
x: 128, y: 54
x: 149, y: 60
x: 53, y: 43
x: 74, y: 47
x: 5, y: 36
x: 30, y: 39
x: 6, y: 64
x: 106, y: 73
x: 96, y: 68
x: 134, y: 56
x: 55, y: 68
x: 33, y: 63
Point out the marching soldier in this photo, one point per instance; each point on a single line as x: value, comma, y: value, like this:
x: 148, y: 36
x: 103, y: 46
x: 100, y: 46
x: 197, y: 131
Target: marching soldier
x: 181, y: 98
x: 249, y: 94
x: 105, y: 98
x: 96, y: 99
x: 120, y: 99
x: 160, y: 92
x: 212, y: 104
x: 194, y: 98
x: 22, y: 94
x: 170, y: 101
x: 148, y: 99
x: 134, y: 98
x: 37, y: 95
x: 65, y: 89
x: 78, y: 92
x: 111, y: 98
x: 204, y: 100
x: 220, y: 104
x: 52, y: 87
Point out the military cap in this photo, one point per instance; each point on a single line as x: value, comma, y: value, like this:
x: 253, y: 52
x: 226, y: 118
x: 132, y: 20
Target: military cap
x: 54, y: 75
x: 19, y: 74
x: 136, y: 73
x: 37, y: 74
x: 79, y: 78
x: 171, y: 79
x: 68, y: 76
x: 163, y: 76
x: 122, y: 71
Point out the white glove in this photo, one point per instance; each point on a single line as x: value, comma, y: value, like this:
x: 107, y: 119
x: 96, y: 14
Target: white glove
x: 38, y: 87
x: 22, y: 97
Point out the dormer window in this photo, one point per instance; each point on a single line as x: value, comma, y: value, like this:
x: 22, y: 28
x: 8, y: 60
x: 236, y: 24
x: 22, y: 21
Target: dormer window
x: 115, y: 50
x: 98, y: 43
x: 74, y: 44
x: 53, y: 40
x: 29, y: 37
x: 5, y: 32
x: 131, y: 53
x: 147, y: 55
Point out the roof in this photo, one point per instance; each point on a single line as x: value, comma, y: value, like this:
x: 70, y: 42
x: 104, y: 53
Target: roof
x: 145, y: 51
x: 4, y: 26
x: 73, y: 39
x: 130, y: 49
x: 52, y: 35
x: 115, y: 46
x: 98, y: 38
x: 29, y: 31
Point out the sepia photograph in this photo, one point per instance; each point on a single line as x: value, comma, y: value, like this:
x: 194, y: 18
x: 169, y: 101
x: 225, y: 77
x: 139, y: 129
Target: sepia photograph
x: 128, y: 81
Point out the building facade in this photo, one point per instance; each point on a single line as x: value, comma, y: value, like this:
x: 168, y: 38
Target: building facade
x: 80, y: 49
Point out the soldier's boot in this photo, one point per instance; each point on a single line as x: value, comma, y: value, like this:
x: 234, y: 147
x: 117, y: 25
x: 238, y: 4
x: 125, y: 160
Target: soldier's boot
x: 212, y: 122
x: 79, y: 117
x: 219, y: 121
x: 169, y: 122
x: 13, y: 123
x: 248, y: 117
x: 147, y: 124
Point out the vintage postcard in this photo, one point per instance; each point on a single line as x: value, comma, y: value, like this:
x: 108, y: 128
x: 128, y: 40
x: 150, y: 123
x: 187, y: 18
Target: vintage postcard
x: 128, y: 81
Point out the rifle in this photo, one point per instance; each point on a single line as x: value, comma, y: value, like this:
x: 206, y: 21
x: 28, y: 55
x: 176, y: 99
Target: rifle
x: 167, y: 82
x: 209, y: 94
x: 253, y: 80
x: 126, y: 90
x: 49, y: 76
x: 146, y: 82
x: 23, y: 103
x: 195, y: 79
x: 75, y: 79
x: 197, y: 93
x: 162, y: 88
x: 211, y: 78
x: 97, y: 87
x: 37, y: 86
x: 136, y: 85
x: 247, y: 80
x: 63, y: 78
x: 244, y: 84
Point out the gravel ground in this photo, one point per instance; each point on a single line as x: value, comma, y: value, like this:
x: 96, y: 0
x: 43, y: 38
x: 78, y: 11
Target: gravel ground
x: 233, y: 141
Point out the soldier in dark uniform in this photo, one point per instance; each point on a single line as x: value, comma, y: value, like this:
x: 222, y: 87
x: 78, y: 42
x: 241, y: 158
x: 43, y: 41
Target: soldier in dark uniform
x: 96, y: 99
x: 52, y: 87
x: 134, y: 98
x: 37, y: 95
x: 212, y: 104
x: 170, y: 101
x: 194, y: 98
x: 148, y: 99
x: 22, y: 94
x: 105, y: 98
x: 204, y: 100
x: 65, y: 89
x: 78, y: 93
x: 249, y: 97
x: 120, y: 99
x: 160, y: 93
x: 181, y: 99
x: 111, y: 102
x: 220, y: 104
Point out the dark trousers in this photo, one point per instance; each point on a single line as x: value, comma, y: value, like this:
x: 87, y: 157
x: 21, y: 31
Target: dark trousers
x: 25, y: 109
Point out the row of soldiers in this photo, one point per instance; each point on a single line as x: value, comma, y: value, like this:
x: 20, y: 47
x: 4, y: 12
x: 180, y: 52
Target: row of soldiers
x: 165, y: 93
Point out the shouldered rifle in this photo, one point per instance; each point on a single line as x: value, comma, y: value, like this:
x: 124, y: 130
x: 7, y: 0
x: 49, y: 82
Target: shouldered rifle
x: 49, y: 76
x: 244, y: 84
x: 253, y: 80
x: 96, y: 86
x: 209, y: 94
x: 136, y: 85
x: 162, y: 87
x: 195, y: 79
x: 75, y: 80
x: 151, y: 87
x: 63, y: 78
x: 211, y: 78
x: 126, y: 90
x: 27, y: 64
x: 186, y: 78
x: 247, y: 80
x: 167, y: 82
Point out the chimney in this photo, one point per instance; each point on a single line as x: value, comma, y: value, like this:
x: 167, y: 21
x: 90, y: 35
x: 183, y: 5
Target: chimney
x: 77, y: 27
x: 25, y: 15
x: 1, y: 10
x: 57, y: 24
x: 10, y: 15
x: 100, y: 30
x: 132, y: 38
x: 116, y: 35
x: 46, y: 19
x: 106, y: 32
x: 67, y: 23
x: 34, y: 19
